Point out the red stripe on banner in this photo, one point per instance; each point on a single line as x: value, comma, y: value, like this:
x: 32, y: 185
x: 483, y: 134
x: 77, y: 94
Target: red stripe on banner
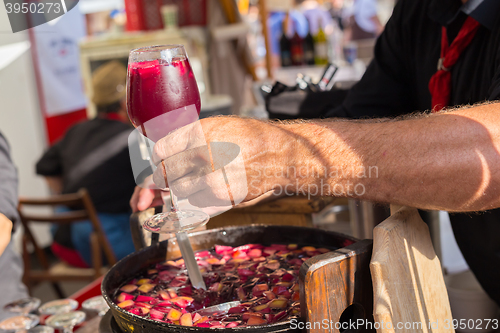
x: 58, y: 125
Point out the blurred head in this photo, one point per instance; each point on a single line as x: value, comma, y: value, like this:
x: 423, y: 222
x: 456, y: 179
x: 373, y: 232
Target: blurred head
x: 109, y: 85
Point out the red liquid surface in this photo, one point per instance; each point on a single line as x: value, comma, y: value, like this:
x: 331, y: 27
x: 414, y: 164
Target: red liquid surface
x: 263, y: 278
x: 156, y: 88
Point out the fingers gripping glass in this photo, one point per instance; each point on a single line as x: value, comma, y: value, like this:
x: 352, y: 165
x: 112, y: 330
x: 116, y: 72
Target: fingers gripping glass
x: 162, y: 96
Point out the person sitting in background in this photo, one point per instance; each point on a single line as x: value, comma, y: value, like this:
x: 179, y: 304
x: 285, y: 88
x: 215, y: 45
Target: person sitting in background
x: 94, y: 155
x: 11, y: 265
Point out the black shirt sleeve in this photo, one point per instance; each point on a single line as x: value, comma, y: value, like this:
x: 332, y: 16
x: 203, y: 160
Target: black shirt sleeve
x: 385, y: 88
x: 51, y: 163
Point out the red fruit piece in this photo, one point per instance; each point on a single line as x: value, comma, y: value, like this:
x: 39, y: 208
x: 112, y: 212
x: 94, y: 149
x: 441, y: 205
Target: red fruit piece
x: 258, y: 289
x: 164, y: 295
x: 174, y: 315
x: 129, y: 288
x: 239, y: 255
x: 241, y: 293
x: 143, y: 298
x: 124, y: 297
x: 247, y: 315
x: 287, y: 277
x: 221, y: 249
x: 164, y: 304
x: 202, y: 254
x: 269, y: 252
x: 186, y: 291
x: 155, y: 314
x: 269, y: 295
x: 279, y: 316
x: 204, y: 325
x: 233, y: 324
x: 195, y: 317
x: 255, y: 321
x: 136, y: 311
x: 143, y: 305
x: 182, y: 302
x: 278, y: 290
x: 162, y: 309
x: 296, y: 296
x: 172, y: 293
x: 186, y: 320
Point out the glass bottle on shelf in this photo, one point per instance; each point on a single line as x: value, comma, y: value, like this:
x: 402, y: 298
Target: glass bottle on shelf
x: 309, y: 47
x: 297, y: 48
x: 320, y: 46
x: 285, y: 53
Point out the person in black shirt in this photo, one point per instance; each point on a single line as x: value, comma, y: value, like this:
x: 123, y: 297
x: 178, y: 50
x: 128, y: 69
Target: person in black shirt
x: 444, y: 161
x: 397, y: 83
x: 94, y: 155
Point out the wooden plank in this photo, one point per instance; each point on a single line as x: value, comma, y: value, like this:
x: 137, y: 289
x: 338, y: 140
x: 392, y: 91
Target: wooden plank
x: 408, y: 283
x: 332, y: 282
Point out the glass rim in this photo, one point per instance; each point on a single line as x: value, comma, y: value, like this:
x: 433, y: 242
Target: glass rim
x: 156, y: 48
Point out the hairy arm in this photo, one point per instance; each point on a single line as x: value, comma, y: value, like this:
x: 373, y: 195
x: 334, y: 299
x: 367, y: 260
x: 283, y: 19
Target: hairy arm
x: 446, y: 161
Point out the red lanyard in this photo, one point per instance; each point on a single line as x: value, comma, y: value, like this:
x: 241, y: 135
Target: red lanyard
x: 440, y: 83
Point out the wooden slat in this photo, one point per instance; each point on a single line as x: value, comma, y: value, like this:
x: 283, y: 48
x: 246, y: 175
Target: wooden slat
x: 407, y: 279
x: 331, y: 282
x: 66, y: 217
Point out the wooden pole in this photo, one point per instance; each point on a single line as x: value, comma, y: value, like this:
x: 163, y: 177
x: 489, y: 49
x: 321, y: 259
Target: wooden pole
x: 263, y: 20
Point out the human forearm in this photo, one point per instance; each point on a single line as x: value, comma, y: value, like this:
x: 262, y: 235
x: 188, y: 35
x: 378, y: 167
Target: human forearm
x: 442, y: 161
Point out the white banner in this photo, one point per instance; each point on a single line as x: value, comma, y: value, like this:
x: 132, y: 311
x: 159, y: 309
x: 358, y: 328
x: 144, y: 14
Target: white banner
x: 58, y: 62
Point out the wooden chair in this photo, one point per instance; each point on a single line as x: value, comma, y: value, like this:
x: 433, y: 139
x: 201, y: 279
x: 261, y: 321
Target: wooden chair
x: 408, y: 283
x: 61, y: 271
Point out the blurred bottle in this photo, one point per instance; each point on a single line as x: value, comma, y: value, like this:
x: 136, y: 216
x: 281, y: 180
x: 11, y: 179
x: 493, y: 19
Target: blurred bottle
x: 285, y: 47
x: 320, y: 46
x: 309, y: 48
x: 297, y: 48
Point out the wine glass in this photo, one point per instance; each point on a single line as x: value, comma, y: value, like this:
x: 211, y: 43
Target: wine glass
x: 66, y: 321
x: 162, y: 96
x: 58, y: 306
x: 19, y: 323
x: 23, y: 306
x: 97, y: 304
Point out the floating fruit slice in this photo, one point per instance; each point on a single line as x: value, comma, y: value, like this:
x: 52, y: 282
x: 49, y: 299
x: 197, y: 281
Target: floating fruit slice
x: 143, y: 298
x: 278, y: 303
x: 129, y: 288
x: 174, y: 315
x: 143, y: 281
x: 186, y: 320
x: 255, y: 321
x: 126, y: 304
x: 146, y: 288
x: 155, y: 314
x: 124, y: 297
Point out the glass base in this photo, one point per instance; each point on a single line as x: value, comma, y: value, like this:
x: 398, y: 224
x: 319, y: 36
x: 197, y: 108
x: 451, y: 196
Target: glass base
x: 177, y: 221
